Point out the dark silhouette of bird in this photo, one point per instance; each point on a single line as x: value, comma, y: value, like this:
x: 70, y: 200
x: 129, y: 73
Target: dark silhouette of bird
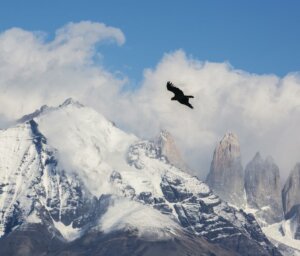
x: 179, y: 95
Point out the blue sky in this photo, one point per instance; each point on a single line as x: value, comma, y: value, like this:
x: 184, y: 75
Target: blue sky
x: 255, y: 36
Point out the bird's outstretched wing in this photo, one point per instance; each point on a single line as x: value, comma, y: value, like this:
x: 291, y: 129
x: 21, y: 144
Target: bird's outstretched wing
x: 174, y: 89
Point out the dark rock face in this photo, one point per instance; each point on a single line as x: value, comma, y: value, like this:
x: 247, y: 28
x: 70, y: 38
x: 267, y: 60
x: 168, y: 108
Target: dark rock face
x: 173, y: 191
x: 295, y: 221
x: 291, y: 200
x: 263, y: 189
x: 226, y: 176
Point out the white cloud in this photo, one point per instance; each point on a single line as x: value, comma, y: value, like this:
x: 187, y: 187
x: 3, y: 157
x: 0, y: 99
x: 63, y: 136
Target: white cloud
x: 264, y: 110
x: 34, y: 72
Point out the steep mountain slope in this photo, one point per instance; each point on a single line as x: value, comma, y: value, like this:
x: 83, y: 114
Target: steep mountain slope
x: 71, y: 175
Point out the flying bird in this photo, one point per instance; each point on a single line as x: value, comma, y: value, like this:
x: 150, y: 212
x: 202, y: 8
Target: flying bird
x: 179, y: 95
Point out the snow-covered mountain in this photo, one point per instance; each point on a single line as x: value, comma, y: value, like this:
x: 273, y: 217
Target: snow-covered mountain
x: 71, y: 182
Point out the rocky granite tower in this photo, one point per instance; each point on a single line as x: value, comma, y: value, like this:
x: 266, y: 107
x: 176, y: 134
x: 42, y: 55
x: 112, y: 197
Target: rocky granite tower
x: 263, y: 190
x: 169, y: 149
x: 226, y: 172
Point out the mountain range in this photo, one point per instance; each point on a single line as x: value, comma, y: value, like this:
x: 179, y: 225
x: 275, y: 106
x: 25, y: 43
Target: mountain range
x: 72, y: 183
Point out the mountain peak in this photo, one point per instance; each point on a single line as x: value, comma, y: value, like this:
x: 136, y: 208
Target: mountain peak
x: 257, y: 157
x: 229, y: 146
x: 170, y: 150
x: 45, y: 109
x: 71, y: 101
x: 34, y: 114
x: 230, y: 136
x: 259, y: 160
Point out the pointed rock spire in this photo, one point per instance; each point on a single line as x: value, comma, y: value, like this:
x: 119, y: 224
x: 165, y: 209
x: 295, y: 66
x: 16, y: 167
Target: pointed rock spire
x: 263, y: 190
x: 226, y: 171
x: 169, y: 149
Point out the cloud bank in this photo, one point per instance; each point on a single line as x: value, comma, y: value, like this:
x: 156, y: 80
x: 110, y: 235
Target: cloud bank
x: 34, y: 71
x: 264, y: 110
